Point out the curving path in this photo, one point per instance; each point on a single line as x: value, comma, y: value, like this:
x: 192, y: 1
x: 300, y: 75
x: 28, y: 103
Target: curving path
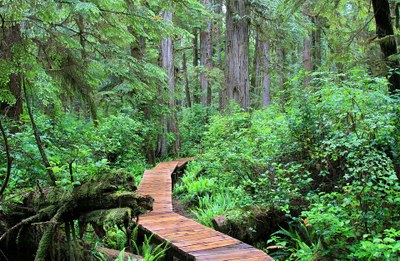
x: 188, y: 239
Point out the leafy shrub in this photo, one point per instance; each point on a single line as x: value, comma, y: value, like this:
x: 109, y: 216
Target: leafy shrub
x: 211, y: 206
x: 330, y: 157
x: 192, y: 126
x: 119, y: 140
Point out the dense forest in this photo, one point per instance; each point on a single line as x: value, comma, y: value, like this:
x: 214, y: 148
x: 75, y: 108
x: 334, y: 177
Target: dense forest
x: 290, y: 108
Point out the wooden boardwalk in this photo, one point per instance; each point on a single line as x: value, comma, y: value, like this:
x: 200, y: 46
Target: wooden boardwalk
x: 188, y: 239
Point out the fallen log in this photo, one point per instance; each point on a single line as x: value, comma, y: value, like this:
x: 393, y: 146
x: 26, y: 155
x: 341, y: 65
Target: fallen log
x: 51, y: 215
x: 111, y: 254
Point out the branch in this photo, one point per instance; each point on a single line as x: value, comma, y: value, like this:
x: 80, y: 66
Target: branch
x: 9, y: 160
x: 37, y: 137
x: 22, y: 223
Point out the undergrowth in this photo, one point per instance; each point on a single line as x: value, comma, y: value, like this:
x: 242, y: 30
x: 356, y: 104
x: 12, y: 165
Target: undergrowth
x: 329, y: 163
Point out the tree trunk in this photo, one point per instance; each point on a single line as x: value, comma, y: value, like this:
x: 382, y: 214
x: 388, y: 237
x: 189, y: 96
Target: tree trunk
x: 10, y: 37
x: 266, y: 80
x: 237, y: 53
x: 281, y: 65
x: 256, y: 80
x: 206, y: 59
x: 218, y: 10
x: 171, y: 125
x: 384, y: 29
x: 196, y: 96
x: 262, y: 60
x: 307, y: 66
x: 316, y: 43
x: 185, y: 74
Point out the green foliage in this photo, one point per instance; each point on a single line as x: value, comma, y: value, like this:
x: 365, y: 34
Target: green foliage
x: 192, y: 128
x: 115, y: 239
x: 214, y: 205
x: 119, y: 139
x: 297, y: 245
x: 191, y: 188
x: 330, y: 158
x: 384, y: 246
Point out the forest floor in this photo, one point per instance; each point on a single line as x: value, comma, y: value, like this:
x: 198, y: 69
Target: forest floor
x: 180, y: 208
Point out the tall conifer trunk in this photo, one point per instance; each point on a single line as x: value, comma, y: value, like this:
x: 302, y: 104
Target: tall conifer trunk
x: 218, y: 36
x: 196, y: 93
x: 266, y: 80
x: 384, y: 29
x: 169, y: 123
x: 307, y: 65
x: 262, y: 60
x: 206, y: 58
x: 237, y: 84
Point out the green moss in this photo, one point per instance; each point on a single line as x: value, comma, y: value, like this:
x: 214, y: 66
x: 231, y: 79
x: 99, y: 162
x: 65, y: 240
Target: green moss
x: 45, y: 243
x: 112, y: 216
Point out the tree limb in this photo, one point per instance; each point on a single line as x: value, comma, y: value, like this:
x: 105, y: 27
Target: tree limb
x: 9, y: 160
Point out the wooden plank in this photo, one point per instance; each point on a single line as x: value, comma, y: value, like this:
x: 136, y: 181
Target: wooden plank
x: 238, y: 247
x: 212, y: 241
x: 210, y: 245
x: 200, y: 233
x: 167, y: 232
x: 190, y: 239
x: 243, y: 256
x: 162, y: 226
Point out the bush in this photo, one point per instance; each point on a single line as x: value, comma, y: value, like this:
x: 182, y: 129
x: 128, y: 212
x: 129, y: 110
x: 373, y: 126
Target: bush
x: 330, y: 158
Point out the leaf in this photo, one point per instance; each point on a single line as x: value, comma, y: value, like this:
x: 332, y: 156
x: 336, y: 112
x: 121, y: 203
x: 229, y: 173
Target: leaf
x: 7, y: 97
x: 88, y: 9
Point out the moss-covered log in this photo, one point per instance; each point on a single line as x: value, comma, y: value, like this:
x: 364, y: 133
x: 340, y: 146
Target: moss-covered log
x: 110, y: 199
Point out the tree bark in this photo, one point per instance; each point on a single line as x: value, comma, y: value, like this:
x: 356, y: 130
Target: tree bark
x: 384, y: 29
x: 171, y: 124
x: 316, y: 43
x: 237, y: 53
x: 266, y: 81
x: 262, y: 61
x: 206, y: 59
x: 218, y: 10
x: 196, y: 96
x: 256, y: 80
x: 10, y: 37
x: 307, y: 66
x: 185, y: 74
x: 281, y: 65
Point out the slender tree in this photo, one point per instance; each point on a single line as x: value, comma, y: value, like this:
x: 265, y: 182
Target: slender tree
x: 307, y: 65
x: 186, y: 77
x: 36, y: 133
x: 9, y: 160
x: 196, y: 96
